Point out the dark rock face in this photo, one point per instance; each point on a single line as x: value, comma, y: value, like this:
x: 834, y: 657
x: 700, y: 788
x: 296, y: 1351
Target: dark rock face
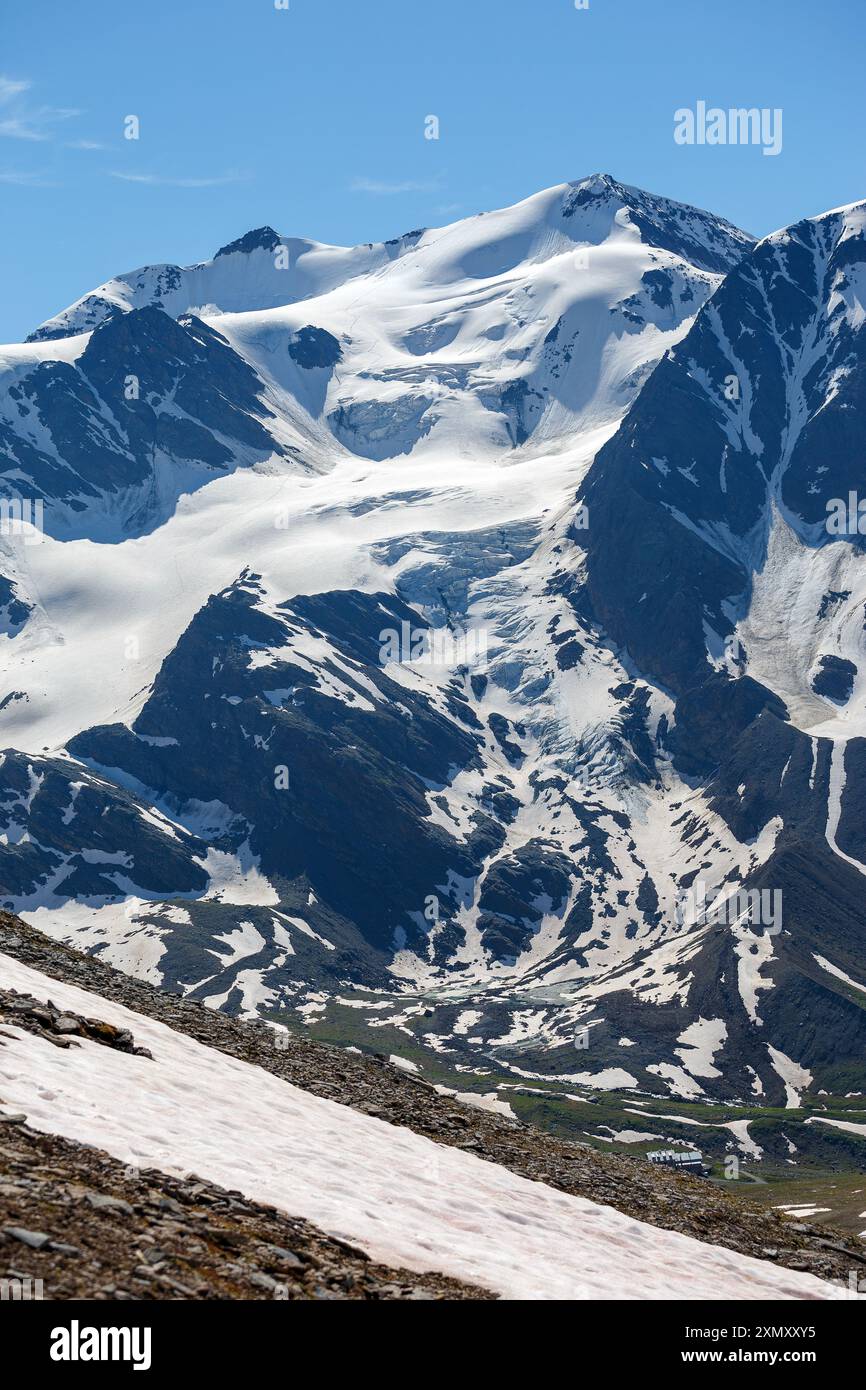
x: 568, y: 654
x: 681, y: 499
x: 521, y: 405
x: 516, y: 894
x: 13, y: 611
x: 831, y: 600
x: 759, y: 409
x: 658, y: 285
x: 512, y: 750
x: 314, y: 347
x: 309, y: 778
x: 831, y: 438
x: 145, y: 387
x: 705, y: 241
x: 815, y: 1016
x: 260, y: 239
x: 89, y: 837
x: 851, y: 833
x: 711, y: 716
x: 685, y: 484
x: 835, y: 679
x: 765, y: 769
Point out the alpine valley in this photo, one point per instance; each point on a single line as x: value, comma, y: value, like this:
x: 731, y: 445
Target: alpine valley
x: 439, y: 646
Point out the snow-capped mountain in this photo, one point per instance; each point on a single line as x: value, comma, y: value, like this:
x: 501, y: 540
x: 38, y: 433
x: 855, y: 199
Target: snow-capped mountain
x: 539, y: 320
x: 441, y: 625
x: 731, y: 590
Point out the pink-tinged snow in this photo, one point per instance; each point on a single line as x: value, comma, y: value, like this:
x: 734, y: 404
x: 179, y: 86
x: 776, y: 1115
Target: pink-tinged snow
x: 404, y: 1199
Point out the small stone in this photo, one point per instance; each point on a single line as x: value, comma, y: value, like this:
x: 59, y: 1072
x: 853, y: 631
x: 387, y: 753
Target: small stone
x: 37, y: 1240
x: 67, y: 1024
x: 183, y: 1289
x: 100, y: 1202
x: 169, y: 1204
x: 264, y: 1281
x: 286, y: 1257
x: 153, y: 1256
x: 221, y: 1236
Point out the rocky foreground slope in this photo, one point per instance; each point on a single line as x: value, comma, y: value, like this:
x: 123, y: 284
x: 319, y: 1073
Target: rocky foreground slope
x: 182, y: 1226
x: 89, y: 1227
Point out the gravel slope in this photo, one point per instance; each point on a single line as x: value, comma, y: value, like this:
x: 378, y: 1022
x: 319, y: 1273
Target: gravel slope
x: 90, y: 1228
x: 374, y: 1087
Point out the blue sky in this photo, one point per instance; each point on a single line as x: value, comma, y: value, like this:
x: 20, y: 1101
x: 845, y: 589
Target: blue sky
x: 312, y: 119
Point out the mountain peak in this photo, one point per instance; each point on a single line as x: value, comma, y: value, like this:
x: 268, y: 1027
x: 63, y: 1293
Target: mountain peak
x: 595, y: 208
x: 708, y: 241
x: 598, y: 183
x: 259, y: 239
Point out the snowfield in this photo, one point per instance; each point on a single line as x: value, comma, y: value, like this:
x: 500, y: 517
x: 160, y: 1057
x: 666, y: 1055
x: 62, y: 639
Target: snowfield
x: 405, y: 1200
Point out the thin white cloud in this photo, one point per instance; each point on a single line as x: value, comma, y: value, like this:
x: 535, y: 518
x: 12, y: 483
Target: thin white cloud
x: 382, y: 188
x: 21, y: 122
x: 168, y: 182
x: 25, y: 180
x: 15, y: 128
x: 84, y: 145
x: 11, y: 87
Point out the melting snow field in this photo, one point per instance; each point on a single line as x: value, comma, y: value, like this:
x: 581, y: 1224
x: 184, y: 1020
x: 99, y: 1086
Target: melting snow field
x: 404, y: 1199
